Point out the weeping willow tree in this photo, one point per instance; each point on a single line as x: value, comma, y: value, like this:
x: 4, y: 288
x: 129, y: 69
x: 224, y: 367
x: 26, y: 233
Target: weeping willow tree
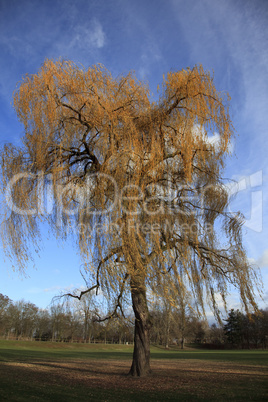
x: 136, y: 183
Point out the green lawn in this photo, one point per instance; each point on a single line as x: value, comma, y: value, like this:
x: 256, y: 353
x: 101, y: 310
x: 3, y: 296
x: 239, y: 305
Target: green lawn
x: 45, y: 371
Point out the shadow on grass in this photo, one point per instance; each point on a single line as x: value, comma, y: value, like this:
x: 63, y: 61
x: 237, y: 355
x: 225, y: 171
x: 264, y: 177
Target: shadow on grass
x: 33, y: 383
x: 87, y: 373
x: 241, y: 357
x: 22, y: 384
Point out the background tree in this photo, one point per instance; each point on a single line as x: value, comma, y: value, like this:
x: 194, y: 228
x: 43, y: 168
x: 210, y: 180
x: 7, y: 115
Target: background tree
x: 4, y: 304
x: 184, y: 316
x: 264, y: 328
x: 28, y: 319
x: 216, y: 335
x: 234, y: 327
x: 59, y: 325
x: 21, y: 319
x: 252, y: 331
x: 43, y: 330
x: 86, y: 310
x: 246, y: 331
x: 171, y: 321
x: 139, y: 180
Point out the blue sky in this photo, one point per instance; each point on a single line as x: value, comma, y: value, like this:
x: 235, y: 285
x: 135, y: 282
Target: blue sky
x: 229, y: 37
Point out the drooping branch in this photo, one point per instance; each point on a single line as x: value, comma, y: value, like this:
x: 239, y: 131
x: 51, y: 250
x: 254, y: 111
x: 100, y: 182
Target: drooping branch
x: 118, y: 304
x: 82, y: 293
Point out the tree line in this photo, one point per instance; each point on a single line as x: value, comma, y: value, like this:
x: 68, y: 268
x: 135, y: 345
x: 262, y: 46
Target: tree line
x: 247, y: 331
x: 61, y: 321
x: 77, y: 322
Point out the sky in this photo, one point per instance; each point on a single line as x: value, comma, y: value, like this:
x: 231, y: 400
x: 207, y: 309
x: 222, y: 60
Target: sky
x: 152, y: 37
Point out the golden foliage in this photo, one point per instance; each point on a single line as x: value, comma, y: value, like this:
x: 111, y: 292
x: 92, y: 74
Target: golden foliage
x: 140, y: 180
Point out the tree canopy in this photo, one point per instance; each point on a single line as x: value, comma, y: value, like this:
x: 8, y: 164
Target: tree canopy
x: 137, y: 183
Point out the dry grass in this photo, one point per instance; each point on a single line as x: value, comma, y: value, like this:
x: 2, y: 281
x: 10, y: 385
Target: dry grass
x: 194, y: 376
x: 44, y: 372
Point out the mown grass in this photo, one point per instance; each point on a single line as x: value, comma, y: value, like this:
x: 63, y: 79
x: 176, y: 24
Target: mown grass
x: 45, y: 371
x: 25, y: 350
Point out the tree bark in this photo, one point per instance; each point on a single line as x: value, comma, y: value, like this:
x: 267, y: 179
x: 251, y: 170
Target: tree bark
x: 167, y: 325
x: 141, y: 355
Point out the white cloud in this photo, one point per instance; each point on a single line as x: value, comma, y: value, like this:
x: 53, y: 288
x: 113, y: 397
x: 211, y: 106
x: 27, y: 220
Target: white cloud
x: 263, y: 259
x: 151, y: 54
x: 233, y: 41
x: 34, y: 290
x: 89, y: 36
x: 51, y: 41
x: 52, y: 289
x: 214, y: 139
x: 79, y: 40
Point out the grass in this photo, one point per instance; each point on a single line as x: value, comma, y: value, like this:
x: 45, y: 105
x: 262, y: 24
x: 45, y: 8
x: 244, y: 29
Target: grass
x: 44, y: 371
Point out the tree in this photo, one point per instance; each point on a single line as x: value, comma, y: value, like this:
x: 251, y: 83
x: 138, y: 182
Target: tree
x: 43, y: 330
x: 4, y: 304
x: 216, y: 334
x: 86, y: 310
x: 184, y: 314
x: 246, y: 330
x: 29, y: 316
x: 22, y: 318
x: 59, y: 322
x: 135, y: 181
x: 234, y: 327
x: 264, y: 328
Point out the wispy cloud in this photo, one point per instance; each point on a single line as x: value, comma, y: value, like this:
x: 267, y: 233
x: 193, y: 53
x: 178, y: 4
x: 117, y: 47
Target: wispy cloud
x: 78, y: 37
x: 262, y: 261
x: 231, y: 38
x: 143, y: 33
x: 29, y: 34
x: 52, y: 289
x: 81, y: 38
x: 150, y: 55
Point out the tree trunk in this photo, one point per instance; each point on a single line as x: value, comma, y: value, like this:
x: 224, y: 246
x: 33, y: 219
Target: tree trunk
x: 168, y: 313
x: 141, y: 355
